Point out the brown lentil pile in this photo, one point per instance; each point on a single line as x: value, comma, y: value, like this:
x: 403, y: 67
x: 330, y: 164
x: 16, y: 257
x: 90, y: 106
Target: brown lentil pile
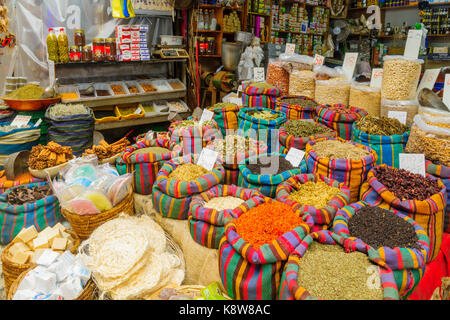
x: 406, y: 185
x: 329, y: 273
x: 315, y: 194
x: 382, y: 228
x: 270, y: 165
x: 188, y: 172
x: 382, y: 126
x: 335, y: 149
x: 302, y: 128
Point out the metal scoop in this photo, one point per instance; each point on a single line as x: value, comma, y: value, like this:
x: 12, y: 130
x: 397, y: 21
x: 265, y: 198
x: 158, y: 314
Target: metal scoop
x: 428, y: 98
x: 89, y: 91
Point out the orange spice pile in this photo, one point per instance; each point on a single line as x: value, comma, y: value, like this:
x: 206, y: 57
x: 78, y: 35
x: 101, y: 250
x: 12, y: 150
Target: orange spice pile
x: 266, y: 222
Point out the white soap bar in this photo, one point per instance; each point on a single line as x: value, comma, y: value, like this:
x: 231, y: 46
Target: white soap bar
x: 81, y: 271
x: 46, y: 282
x: 28, y: 282
x: 61, y: 269
x: 47, y: 258
x: 67, y: 257
x: 71, y: 288
x: 24, y: 295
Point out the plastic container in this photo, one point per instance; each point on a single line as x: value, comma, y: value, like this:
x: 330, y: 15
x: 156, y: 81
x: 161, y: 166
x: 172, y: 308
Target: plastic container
x: 83, y: 86
x: 365, y: 97
x: 68, y: 89
x: 409, y: 106
x: 128, y: 84
x: 170, y: 40
x: 178, y: 82
x: 332, y: 91
x: 161, y: 85
x: 108, y: 118
x: 121, y: 116
x: 172, y: 109
x: 122, y: 84
x: 103, y: 86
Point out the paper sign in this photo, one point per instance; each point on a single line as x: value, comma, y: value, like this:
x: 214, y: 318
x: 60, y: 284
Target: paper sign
x: 413, y: 162
x: 446, y: 95
x: 38, y: 122
x: 138, y: 111
x: 349, y: 64
x: 236, y: 100
x: 318, y: 60
x: 399, y: 115
x: 295, y: 156
x: 51, y: 72
x: 206, y: 116
x: 207, y: 158
x: 290, y: 48
x: 258, y: 75
x: 413, y: 44
x: 377, y: 77
x: 428, y: 79
x: 21, y: 121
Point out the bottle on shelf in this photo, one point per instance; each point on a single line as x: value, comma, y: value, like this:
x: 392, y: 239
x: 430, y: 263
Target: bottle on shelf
x: 52, y: 46
x: 213, y: 23
x: 63, y: 46
x: 200, y: 21
x: 206, y: 19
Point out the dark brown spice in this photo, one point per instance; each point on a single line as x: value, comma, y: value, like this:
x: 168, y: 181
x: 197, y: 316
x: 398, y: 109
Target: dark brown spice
x: 102, y: 93
x: 270, y: 165
x: 22, y: 195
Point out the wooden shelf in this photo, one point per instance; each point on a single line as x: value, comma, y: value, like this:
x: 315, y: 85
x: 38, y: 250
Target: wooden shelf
x: 209, y: 56
x: 135, y: 122
x: 259, y: 14
x: 400, y: 7
x: 439, y: 35
x: 113, y: 63
x: 208, y: 31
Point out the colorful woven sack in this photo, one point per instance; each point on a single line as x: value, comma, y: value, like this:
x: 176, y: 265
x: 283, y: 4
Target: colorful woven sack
x: 193, y: 139
x: 323, y: 217
x: 145, y: 166
x: 121, y: 165
x: 348, y: 171
x: 170, y: 207
x: 295, y: 111
x: 17, y: 140
x: 407, y: 264
x: 259, y: 129
x: 252, y: 96
x: 208, y: 225
x: 226, y: 116
x: 386, y: 147
x: 249, y: 274
x: 289, y: 141
x: 13, y: 218
x: 443, y: 173
x: 24, y: 178
x: 289, y: 288
x: 266, y: 184
x: 428, y: 213
x: 341, y: 122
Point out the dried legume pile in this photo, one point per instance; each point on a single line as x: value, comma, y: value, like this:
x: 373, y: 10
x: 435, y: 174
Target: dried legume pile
x: 365, y: 97
x: 382, y: 126
x: 332, y: 91
x: 400, y: 78
x: 264, y: 115
x: 157, y: 150
x: 299, y: 102
x: 223, y: 203
x: 277, y: 76
x: 266, y: 222
x: 270, y: 165
x: 188, y: 172
x: 329, y: 273
x: 233, y: 144
x: 382, y: 228
x: 316, y: 194
x: 302, y: 128
x: 61, y: 110
x: 335, y: 149
x: 406, y: 185
x: 302, y: 83
x: 10, y: 128
x: 342, y: 109
x: 192, y: 123
x: 222, y: 105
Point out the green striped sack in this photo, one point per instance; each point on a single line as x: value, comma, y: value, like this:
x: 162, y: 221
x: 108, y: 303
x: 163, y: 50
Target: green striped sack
x: 226, y: 117
x: 295, y: 111
x: 249, y: 274
x: 41, y: 214
x: 386, y: 147
x: 407, y: 264
x: 208, y: 225
x: 121, y: 165
x: 289, y: 288
x: 35, y: 116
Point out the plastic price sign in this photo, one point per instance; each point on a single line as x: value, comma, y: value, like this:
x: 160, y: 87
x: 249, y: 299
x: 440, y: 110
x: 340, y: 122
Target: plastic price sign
x: 349, y: 64
x: 318, y: 60
x: 295, y: 156
x: 258, y: 74
x: 428, y: 79
x: 206, y: 116
x: 413, y: 43
x: 207, y: 159
x: 290, y: 48
x: 377, y: 77
x: 413, y: 162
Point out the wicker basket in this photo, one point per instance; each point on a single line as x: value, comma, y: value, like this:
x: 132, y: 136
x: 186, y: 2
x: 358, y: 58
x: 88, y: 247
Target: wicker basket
x: 11, y: 270
x: 89, y: 292
x: 86, y: 224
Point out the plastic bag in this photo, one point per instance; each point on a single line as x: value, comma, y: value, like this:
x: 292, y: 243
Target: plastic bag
x: 332, y: 91
x: 122, y: 9
x: 302, y: 83
x: 325, y: 73
x: 408, y: 106
x: 278, y: 76
x: 365, y: 97
x: 294, y: 62
x: 120, y: 189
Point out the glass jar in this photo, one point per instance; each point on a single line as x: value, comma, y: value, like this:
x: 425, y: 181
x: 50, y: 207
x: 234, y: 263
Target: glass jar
x: 74, y: 54
x: 211, y: 45
x: 86, y: 55
x: 110, y: 49
x: 79, y: 38
x: 98, y: 49
x: 201, y: 46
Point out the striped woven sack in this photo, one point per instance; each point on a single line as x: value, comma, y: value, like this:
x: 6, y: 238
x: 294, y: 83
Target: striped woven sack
x: 24, y: 178
x: 249, y: 274
x: 170, y: 207
x: 17, y: 140
x: 340, y: 122
x: 226, y: 117
x: 289, y: 141
x: 260, y: 129
x: 428, y: 213
x: 442, y: 172
x: 323, y: 217
x: 75, y: 131
x: 41, y: 214
x: 290, y: 289
x: 208, y: 225
x: 386, y: 147
x: 231, y: 174
x: 121, y: 166
x: 193, y: 139
x: 348, y: 171
x: 253, y: 96
x: 407, y: 264
x: 266, y: 184
x: 295, y: 111
x: 147, y: 165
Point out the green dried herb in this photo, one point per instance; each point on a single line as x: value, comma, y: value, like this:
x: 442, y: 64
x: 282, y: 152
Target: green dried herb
x: 264, y: 115
x: 300, y: 102
x: 382, y: 126
x: 303, y: 128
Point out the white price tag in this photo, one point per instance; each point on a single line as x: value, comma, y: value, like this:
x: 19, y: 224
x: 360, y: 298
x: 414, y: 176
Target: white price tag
x: 207, y: 158
x: 21, y: 121
x: 51, y: 72
x: 318, y: 60
x: 349, y: 64
x: 290, y: 48
x: 413, y: 162
x: 399, y: 115
x: 295, y: 156
x: 446, y: 95
x: 413, y: 44
x: 38, y: 123
x: 235, y: 100
x: 377, y: 77
x: 428, y: 79
x: 206, y: 116
x: 258, y: 75
x: 137, y: 111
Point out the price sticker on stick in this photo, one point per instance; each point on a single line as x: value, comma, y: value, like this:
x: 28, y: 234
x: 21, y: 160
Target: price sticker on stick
x: 206, y: 116
x: 446, y: 95
x: 295, y: 156
x: 318, y: 60
x: 428, y: 79
x: 349, y: 64
x: 413, y: 43
x: 258, y: 74
x: 207, y: 158
x: 20, y: 121
x: 413, y: 162
x: 377, y: 77
x: 399, y: 115
x: 290, y: 48
x: 38, y: 123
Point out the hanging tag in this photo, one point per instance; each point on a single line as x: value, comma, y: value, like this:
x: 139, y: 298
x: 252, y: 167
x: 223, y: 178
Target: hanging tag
x: 446, y: 95
x: 38, y: 123
x: 290, y: 48
x: 295, y: 156
x: 207, y: 158
x: 428, y: 79
x: 377, y: 77
x: 349, y: 64
x: 20, y: 121
x: 318, y: 60
x: 399, y: 115
x: 258, y: 75
x: 206, y: 116
x: 413, y: 44
x: 51, y: 72
x: 138, y: 110
x: 413, y: 162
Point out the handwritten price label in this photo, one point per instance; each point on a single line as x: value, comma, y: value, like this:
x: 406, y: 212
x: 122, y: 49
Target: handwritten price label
x: 290, y: 48
x: 207, y: 115
x: 377, y: 77
x: 207, y: 158
x: 258, y: 74
x: 349, y: 64
x: 446, y: 96
x: 428, y: 79
x: 318, y: 60
x: 20, y: 121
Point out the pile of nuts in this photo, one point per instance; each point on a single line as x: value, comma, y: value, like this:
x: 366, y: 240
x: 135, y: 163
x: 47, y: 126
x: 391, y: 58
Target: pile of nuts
x: 278, y: 77
x: 400, y: 78
x: 302, y: 83
x: 332, y: 91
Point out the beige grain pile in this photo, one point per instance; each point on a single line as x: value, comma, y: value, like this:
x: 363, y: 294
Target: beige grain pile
x: 223, y: 203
